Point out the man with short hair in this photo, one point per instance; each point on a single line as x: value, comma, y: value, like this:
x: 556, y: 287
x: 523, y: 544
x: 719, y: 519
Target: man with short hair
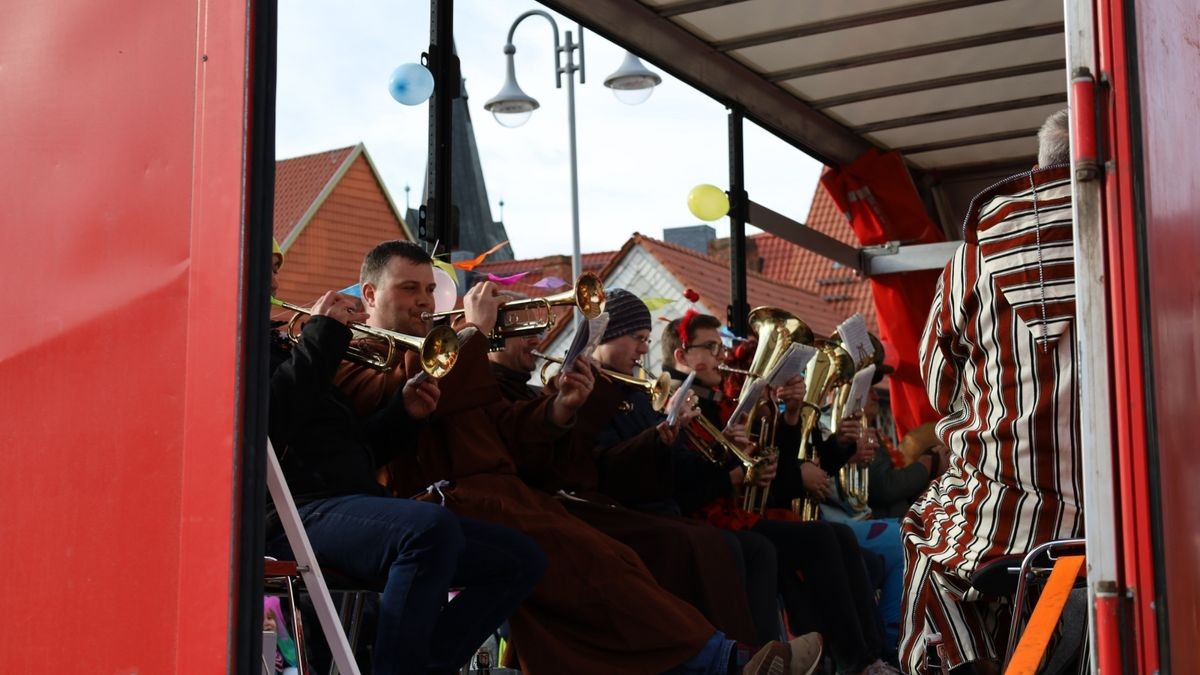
x: 597, y: 610
x: 411, y: 550
x: 999, y: 360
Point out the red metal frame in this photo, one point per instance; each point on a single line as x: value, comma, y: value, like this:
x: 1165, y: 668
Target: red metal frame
x: 1128, y: 341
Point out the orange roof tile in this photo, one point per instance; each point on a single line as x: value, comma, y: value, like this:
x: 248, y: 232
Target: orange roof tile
x: 843, y: 292
x: 298, y: 183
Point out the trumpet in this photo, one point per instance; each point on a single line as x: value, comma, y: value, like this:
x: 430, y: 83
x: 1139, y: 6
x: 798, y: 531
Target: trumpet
x: 438, y: 350
x: 587, y: 295
x: 751, y: 498
x: 658, y: 389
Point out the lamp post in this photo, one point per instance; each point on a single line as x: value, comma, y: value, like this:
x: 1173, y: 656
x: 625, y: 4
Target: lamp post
x: 512, y: 107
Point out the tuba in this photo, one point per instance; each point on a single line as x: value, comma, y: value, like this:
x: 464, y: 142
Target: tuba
x: 854, y: 480
x: 831, y: 367
x: 587, y: 295
x: 776, y: 330
x: 438, y: 350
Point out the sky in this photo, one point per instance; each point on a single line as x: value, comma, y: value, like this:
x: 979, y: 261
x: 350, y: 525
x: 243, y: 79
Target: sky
x: 636, y: 163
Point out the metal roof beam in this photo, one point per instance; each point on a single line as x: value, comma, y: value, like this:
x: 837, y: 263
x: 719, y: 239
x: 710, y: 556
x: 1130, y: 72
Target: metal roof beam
x: 844, y: 22
x: 970, y: 140
x: 940, y: 82
x: 688, y: 6
x: 805, y: 237
x: 669, y: 46
x: 925, y: 49
x: 969, y: 111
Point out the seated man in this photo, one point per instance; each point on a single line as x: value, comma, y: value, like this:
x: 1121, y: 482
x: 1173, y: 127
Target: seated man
x: 687, y: 557
x: 899, y: 478
x: 414, y: 551
x: 826, y: 553
x: 998, y: 356
x: 598, y: 609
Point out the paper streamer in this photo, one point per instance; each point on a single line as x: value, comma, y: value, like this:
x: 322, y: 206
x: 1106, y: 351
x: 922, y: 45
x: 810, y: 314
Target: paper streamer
x: 511, y: 279
x: 550, y: 283
x: 353, y: 289
x: 657, y: 303
x: 471, y: 264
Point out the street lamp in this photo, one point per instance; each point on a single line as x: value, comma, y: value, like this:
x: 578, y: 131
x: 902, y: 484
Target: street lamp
x: 512, y: 107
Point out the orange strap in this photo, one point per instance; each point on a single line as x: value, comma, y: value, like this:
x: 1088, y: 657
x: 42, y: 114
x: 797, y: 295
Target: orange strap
x: 1032, y: 647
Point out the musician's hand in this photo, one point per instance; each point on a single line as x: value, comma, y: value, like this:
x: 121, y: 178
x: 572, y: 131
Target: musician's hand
x: 867, y: 447
x: 420, y: 400
x: 691, y: 400
x: 739, y: 435
x: 816, y: 481
x: 737, y: 476
x: 849, y: 430
x: 339, y: 307
x: 574, y: 387
x: 792, y: 394
x: 667, y: 433
x: 766, y: 472
x: 480, y: 304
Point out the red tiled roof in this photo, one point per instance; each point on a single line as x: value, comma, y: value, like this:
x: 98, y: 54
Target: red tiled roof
x: 709, y: 277
x: 298, y: 183
x: 791, y: 264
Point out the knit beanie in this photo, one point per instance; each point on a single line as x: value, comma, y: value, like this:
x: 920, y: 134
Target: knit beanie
x: 626, y: 314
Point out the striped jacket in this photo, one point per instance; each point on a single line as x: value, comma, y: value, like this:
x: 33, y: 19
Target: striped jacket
x: 999, y: 360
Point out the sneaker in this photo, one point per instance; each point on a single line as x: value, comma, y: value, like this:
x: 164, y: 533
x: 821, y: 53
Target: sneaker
x: 881, y: 668
x: 772, y: 659
x: 806, y: 654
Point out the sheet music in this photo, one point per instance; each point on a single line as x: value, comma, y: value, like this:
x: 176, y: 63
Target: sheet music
x: 856, y: 339
x: 586, y: 339
x: 679, y: 397
x: 793, y: 363
x: 753, y: 393
x: 857, y: 400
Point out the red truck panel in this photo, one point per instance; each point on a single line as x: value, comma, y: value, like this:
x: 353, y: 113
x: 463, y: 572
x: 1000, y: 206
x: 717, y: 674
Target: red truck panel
x: 122, y: 220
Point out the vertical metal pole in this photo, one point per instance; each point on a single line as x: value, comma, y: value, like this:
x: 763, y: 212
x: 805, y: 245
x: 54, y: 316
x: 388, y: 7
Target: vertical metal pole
x: 576, y: 261
x: 436, y: 215
x: 738, y: 209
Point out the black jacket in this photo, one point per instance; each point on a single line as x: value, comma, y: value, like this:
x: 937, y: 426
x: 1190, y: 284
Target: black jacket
x: 324, y: 449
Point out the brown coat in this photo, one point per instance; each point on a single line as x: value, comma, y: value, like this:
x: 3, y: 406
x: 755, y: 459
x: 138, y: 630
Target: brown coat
x: 687, y: 557
x: 598, y: 609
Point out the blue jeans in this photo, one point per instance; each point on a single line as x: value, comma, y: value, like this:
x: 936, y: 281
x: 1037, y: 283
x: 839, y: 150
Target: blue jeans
x: 714, y: 658
x: 417, y: 552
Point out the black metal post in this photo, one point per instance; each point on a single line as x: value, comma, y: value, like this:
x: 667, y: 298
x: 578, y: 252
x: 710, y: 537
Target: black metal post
x: 739, y: 202
x: 437, y: 221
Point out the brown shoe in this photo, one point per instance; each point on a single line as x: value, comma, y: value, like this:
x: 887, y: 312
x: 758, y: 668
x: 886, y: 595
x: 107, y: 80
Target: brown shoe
x: 806, y: 654
x: 772, y: 659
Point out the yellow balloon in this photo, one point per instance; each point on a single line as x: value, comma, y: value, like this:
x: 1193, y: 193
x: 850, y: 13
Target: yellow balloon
x: 708, y: 202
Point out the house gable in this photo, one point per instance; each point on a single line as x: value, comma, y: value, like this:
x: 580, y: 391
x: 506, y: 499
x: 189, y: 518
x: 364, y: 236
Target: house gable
x: 349, y: 217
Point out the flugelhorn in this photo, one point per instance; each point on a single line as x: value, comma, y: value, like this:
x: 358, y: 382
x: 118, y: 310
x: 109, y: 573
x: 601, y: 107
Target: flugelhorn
x: 587, y: 295
x: 658, y: 389
x: 438, y: 350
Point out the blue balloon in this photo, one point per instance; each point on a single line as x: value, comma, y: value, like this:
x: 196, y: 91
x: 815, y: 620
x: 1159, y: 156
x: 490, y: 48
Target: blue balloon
x: 411, y: 84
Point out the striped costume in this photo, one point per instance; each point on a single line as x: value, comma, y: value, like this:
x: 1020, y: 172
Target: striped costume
x: 999, y: 361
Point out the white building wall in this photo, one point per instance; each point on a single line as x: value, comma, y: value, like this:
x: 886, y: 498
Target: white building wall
x: 640, y: 273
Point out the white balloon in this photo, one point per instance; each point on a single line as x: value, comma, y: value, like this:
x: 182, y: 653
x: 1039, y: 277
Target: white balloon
x: 445, y: 293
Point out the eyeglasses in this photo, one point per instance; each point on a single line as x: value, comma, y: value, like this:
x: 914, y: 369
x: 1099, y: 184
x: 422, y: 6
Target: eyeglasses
x: 714, y: 348
x: 644, y: 340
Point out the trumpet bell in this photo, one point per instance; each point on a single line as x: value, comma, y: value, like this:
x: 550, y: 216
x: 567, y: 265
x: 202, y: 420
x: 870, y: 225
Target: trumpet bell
x: 439, y: 351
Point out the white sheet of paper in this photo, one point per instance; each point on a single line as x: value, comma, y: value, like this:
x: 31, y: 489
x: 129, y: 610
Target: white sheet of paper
x: 679, y: 397
x: 857, y: 400
x: 754, y: 392
x: 793, y: 363
x: 586, y: 339
x: 856, y: 339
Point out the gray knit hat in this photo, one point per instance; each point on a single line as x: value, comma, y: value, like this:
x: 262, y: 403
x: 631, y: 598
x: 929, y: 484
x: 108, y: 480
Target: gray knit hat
x: 626, y: 314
